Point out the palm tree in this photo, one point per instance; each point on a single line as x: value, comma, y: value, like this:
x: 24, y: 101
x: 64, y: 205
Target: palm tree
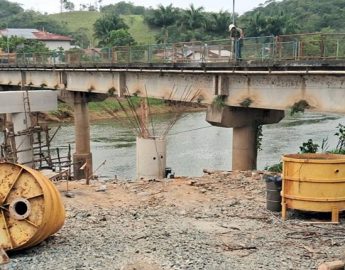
x: 103, y: 26
x: 165, y: 16
x: 194, y: 18
x: 220, y: 22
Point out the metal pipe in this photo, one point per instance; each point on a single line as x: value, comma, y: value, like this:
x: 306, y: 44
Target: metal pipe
x: 233, y: 12
x: 295, y: 72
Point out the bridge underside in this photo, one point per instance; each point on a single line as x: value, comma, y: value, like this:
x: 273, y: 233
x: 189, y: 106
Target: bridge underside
x: 242, y: 98
x: 318, y: 90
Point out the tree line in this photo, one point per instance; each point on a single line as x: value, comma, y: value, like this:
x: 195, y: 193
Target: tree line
x: 174, y: 24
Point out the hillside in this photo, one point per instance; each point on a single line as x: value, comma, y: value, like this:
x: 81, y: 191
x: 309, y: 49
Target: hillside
x: 296, y: 16
x: 75, y: 20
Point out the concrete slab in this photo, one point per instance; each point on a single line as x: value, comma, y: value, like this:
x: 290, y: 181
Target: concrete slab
x: 41, y: 100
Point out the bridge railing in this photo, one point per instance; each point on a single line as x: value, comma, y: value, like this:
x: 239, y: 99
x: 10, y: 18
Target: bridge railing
x: 268, y: 48
x: 317, y: 45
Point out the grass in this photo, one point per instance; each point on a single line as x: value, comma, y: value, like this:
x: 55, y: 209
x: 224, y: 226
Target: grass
x: 141, y: 32
x: 75, y: 20
x: 111, y: 104
x: 78, y: 19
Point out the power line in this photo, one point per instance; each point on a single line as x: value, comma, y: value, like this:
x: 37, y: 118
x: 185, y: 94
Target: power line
x: 185, y: 131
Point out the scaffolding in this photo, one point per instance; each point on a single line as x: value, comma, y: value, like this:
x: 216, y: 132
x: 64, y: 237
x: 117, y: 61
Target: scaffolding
x: 40, y: 146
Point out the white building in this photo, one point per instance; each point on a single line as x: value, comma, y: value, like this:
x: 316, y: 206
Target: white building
x: 52, y: 41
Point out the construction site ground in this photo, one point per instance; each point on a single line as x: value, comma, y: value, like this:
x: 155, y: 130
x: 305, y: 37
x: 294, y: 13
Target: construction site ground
x: 218, y: 221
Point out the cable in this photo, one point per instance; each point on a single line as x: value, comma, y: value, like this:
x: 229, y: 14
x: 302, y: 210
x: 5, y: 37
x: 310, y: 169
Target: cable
x: 185, y: 131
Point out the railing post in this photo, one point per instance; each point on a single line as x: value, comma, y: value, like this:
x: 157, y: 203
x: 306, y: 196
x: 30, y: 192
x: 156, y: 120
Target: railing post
x: 300, y: 50
x: 322, y: 47
x: 149, y: 54
x: 337, y: 53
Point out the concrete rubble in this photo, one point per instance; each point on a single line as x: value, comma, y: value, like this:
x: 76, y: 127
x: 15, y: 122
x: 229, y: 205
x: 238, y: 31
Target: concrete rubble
x: 217, y: 221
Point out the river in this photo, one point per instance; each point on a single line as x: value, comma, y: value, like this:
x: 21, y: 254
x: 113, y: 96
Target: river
x: 194, y: 145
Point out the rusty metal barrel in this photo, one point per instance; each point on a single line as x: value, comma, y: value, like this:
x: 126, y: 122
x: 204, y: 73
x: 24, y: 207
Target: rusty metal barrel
x: 314, y: 182
x: 273, y: 190
x: 31, y: 207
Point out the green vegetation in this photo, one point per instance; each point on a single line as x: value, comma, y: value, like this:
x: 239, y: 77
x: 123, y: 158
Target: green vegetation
x: 76, y: 20
x: 219, y: 101
x: 168, y: 24
x: 309, y: 147
x: 276, y: 168
x: 104, y: 26
x: 110, y: 107
x: 113, y: 105
x: 294, y: 16
x: 139, y: 29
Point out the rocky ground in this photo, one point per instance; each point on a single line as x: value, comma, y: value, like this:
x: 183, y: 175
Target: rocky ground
x: 217, y: 221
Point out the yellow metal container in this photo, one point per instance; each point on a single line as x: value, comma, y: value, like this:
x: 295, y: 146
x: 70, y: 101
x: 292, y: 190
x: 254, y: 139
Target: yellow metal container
x: 314, y: 182
x: 31, y: 208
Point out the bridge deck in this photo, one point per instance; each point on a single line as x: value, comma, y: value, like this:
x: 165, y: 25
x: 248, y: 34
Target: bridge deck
x: 305, y: 65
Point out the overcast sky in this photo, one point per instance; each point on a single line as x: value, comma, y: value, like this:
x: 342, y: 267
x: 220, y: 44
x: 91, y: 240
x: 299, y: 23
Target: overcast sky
x: 53, y: 6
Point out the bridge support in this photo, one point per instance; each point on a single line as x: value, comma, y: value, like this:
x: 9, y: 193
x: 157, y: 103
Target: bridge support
x: 24, y: 143
x: 245, y: 122
x: 82, y: 154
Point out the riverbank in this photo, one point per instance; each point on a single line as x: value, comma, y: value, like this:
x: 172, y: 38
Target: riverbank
x: 112, y: 108
x: 217, y: 221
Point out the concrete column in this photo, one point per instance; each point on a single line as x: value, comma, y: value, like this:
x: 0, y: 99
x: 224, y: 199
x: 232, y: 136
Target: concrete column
x: 244, y: 122
x: 244, y: 150
x: 82, y: 154
x: 23, y: 143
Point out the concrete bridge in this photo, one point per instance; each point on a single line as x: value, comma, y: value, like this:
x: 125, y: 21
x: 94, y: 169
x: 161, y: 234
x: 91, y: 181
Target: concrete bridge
x: 241, y: 94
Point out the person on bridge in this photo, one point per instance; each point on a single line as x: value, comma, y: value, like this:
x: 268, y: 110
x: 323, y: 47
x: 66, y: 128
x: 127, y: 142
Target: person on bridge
x: 236, y: 36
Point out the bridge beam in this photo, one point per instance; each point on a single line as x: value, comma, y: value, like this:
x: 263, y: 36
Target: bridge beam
x: 245, y: 122
x: 82, y: 155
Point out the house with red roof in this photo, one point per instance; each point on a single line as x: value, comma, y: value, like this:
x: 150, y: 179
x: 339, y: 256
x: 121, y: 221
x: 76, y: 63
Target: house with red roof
x: 52, y: 41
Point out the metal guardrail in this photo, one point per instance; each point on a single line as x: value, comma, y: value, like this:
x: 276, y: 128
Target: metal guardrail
x: 314, y: 46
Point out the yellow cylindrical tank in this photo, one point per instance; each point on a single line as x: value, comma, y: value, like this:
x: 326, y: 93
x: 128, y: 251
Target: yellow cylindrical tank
x: 31, y: 207
x: 314, y: 182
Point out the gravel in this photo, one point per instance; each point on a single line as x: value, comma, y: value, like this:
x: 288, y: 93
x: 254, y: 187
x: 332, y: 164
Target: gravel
x: 217, y: 221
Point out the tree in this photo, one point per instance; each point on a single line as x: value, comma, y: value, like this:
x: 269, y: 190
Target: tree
x: 10, y: 44
x: 32, y: 19
x: 103, y: 26
x: 163, y: 16
x: 21, y: 45
x: 68, y: 5
x: 218, y: 23
x: 120, y: 37
x: 123, y: 8
x: 193, y: 18
x: 81, y: 38
x: 8, y: 9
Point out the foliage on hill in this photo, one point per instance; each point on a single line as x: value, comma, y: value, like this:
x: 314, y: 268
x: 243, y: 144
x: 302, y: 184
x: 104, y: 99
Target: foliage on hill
x: 294, y: 16
x: 186, y: 25
x: 79, y: 23
x: 168, y: 24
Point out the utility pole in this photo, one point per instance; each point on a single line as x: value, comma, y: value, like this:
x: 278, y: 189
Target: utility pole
x: 233, y: 12
x: 61, y: 6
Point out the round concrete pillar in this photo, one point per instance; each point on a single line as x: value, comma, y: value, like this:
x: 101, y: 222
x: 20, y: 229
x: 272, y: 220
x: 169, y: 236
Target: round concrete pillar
x: 23, y: 143
x: 82, y: 155
x: 244, y: 149
x: 151, y: 158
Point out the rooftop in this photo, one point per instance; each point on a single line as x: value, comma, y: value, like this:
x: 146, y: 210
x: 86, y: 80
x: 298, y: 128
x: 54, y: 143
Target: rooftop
x: 29, y: 33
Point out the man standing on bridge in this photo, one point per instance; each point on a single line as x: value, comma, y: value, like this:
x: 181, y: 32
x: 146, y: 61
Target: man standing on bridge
x: 236, y: 37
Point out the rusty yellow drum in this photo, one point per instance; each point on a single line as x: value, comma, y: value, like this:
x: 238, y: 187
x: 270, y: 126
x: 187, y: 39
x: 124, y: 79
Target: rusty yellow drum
x: 31, y: 208
x: 314, y: 182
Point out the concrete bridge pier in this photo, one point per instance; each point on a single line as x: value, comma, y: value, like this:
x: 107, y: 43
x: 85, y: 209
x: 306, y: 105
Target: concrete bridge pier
x: 245, y: 122
x: 82, y: 153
